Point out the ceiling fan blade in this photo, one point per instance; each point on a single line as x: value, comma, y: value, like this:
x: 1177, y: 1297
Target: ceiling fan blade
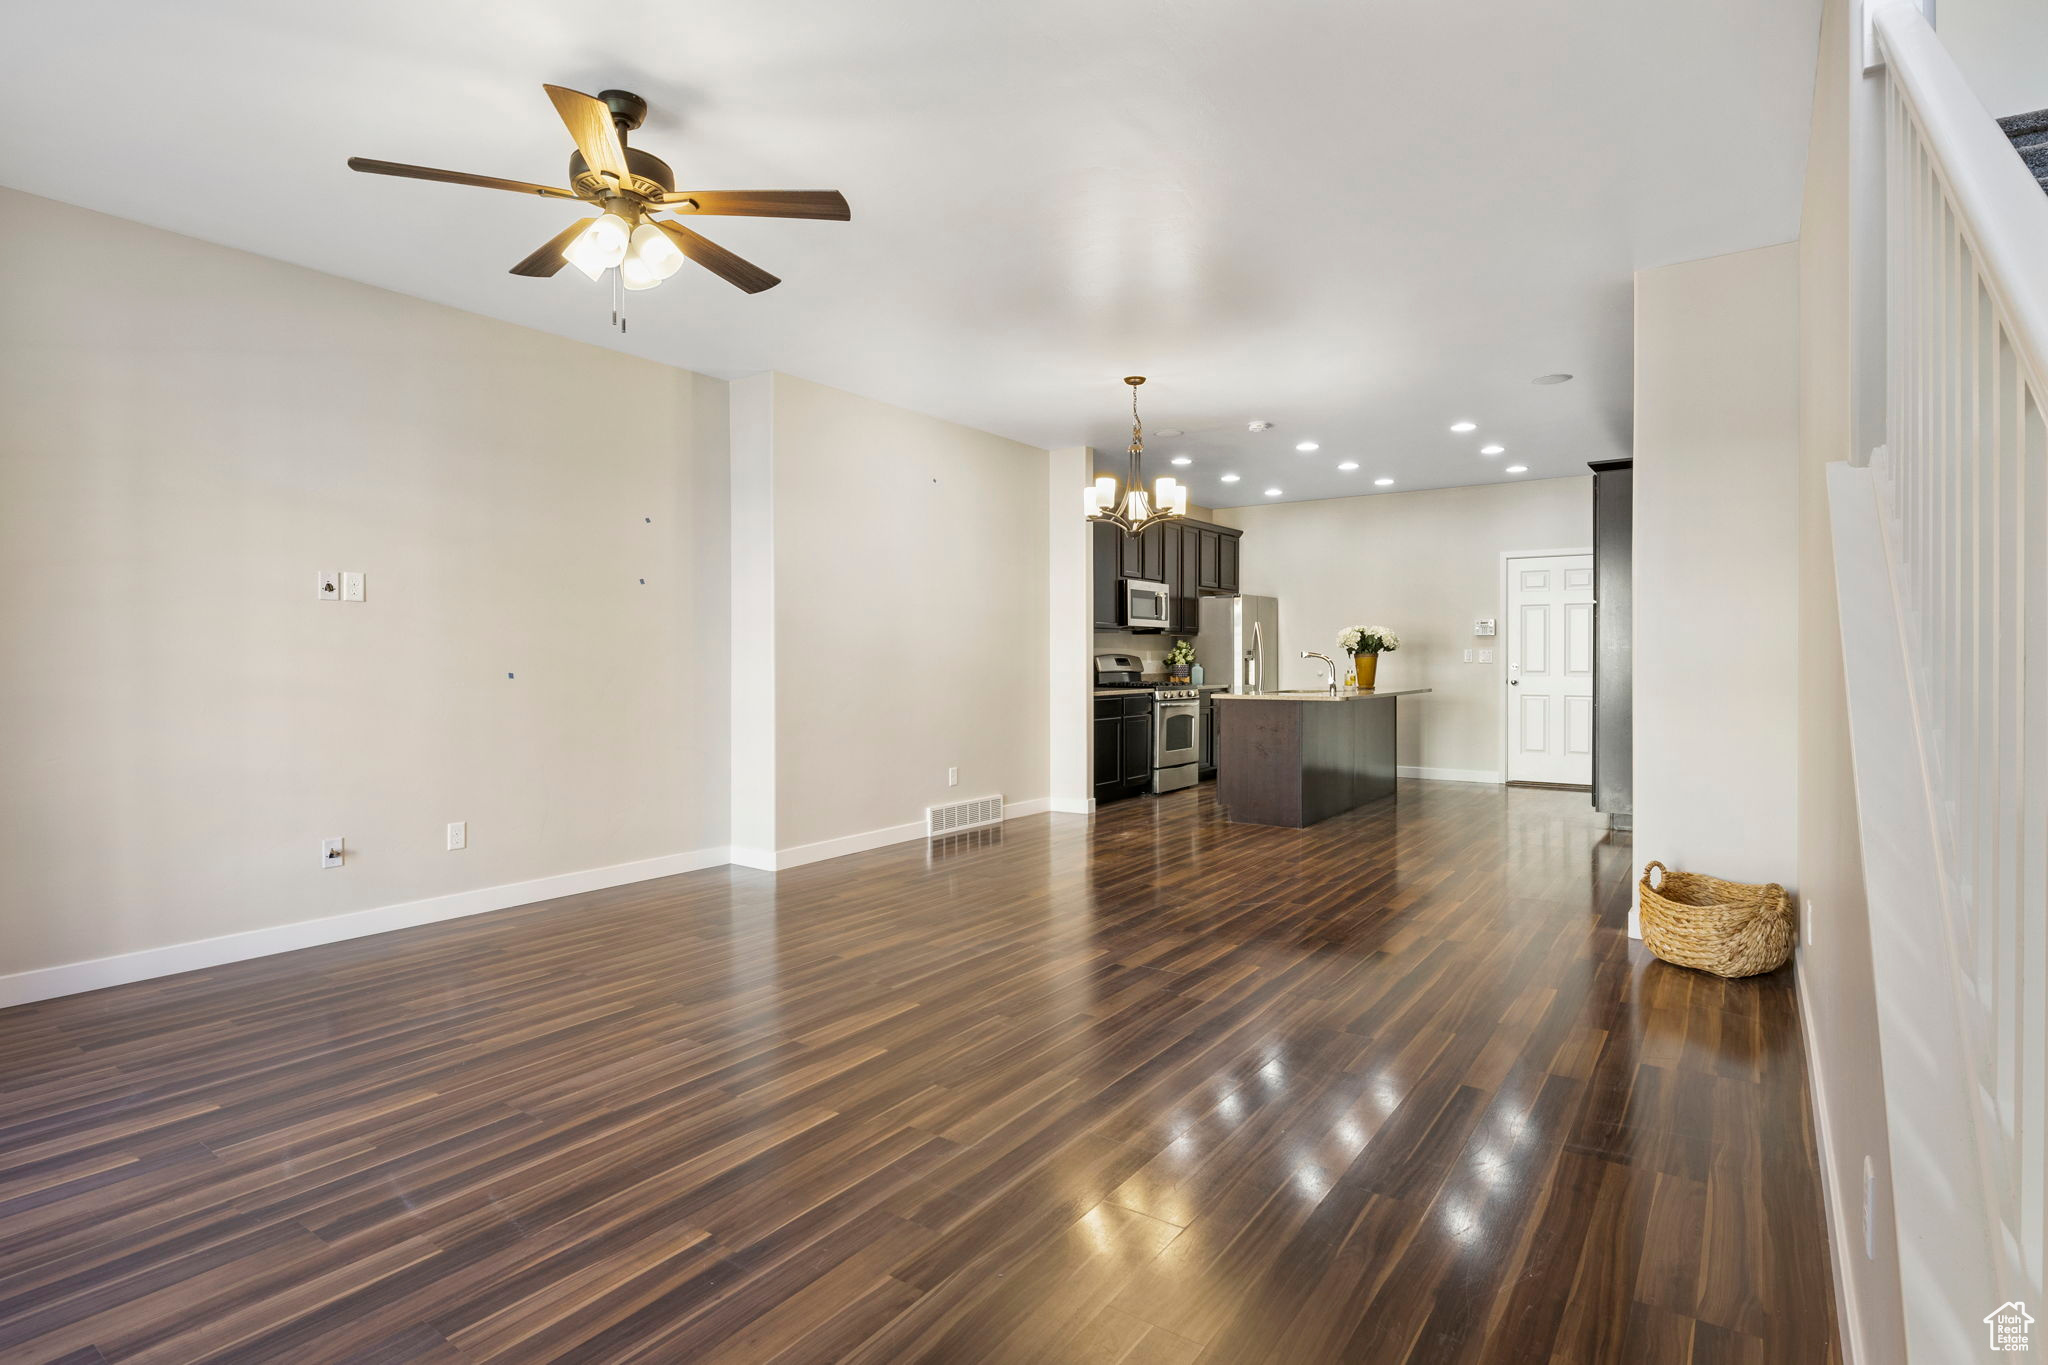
x: 716, y: 259
x: 484, y: 182
x: 590, y: 123
x: 548, y: 259
x: 762, y: 203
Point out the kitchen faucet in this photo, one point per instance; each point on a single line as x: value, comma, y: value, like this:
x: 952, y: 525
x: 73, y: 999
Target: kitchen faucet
x: 1311, y: 654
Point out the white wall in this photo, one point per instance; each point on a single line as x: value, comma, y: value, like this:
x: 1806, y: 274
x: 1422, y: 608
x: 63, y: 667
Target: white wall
x: 1717, y: 565
x: 1837, y: 986
x: 190, y: 435
x: 753, y: 673
x: 1070, y: 613
x: 1426, y: 565
x: 911, y: 616
x: 2002, y: 48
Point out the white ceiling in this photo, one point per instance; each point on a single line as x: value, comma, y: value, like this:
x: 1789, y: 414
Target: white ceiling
x: 1361, y: 221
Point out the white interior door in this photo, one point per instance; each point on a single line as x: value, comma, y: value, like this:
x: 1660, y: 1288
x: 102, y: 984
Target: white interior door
x: 1550, y: 669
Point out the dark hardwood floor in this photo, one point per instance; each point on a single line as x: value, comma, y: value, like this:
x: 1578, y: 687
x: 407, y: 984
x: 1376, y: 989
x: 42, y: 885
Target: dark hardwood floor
x: 1153, y: 1089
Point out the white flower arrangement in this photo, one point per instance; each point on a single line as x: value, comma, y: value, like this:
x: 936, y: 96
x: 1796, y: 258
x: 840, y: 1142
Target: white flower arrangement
x: 1368, y: 640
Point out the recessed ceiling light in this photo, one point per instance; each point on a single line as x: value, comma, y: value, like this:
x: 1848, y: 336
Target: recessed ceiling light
x: 1230, y: 478
x: 1306, y: 446
x: 1517, y: 469
x: 1464, y: 426
x: 1348, y: 466
x: 1384, y: 483
x: 1272, y: 492
x: 1182, y: 459
x: 1551, y: 379
x: 1491, y: 450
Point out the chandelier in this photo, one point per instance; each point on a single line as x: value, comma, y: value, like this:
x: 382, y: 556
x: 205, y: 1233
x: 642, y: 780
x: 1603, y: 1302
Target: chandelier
x: 1134, y: 511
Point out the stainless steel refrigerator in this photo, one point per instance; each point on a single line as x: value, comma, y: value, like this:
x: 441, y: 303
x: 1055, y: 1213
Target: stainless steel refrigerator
x: 1239, y: 643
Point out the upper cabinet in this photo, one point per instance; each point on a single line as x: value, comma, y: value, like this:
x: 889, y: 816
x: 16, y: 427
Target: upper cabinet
x: 1192, y: 558
x: 1109, y: 580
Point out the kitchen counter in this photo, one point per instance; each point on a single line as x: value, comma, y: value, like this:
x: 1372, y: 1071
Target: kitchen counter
x: 1279, y: 763
x: 1149, y: 688
x: 1325, y: 695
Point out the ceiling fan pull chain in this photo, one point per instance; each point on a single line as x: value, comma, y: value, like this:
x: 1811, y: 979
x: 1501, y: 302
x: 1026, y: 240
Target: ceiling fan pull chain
x: 618, y: 300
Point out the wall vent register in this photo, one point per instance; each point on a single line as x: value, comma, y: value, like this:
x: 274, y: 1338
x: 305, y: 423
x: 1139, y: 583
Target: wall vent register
x: 955, y: 816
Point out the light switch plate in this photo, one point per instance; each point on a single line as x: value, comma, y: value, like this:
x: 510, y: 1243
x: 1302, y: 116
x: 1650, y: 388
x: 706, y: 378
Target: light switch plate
x: 1486, y: 656
x: 1468, y: 656
x: 351, y: 585
x: 329, y: 589
x: 331, y: 853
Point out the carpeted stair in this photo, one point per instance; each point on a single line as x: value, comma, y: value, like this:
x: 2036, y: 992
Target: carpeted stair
x: 2029, y: 135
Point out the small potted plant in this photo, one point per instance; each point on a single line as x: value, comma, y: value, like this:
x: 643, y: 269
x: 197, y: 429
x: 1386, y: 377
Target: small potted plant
x: 1179, y: 659
x: 1365, y: 644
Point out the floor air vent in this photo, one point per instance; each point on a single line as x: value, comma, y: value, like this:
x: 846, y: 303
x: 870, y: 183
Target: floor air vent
x: 959, y: 815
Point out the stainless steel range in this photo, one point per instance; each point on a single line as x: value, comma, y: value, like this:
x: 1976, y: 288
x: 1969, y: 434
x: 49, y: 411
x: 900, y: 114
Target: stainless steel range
x: 1176, y: 721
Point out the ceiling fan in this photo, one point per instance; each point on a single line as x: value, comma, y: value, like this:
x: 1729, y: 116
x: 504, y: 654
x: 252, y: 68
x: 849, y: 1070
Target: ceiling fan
x: 629, y: 186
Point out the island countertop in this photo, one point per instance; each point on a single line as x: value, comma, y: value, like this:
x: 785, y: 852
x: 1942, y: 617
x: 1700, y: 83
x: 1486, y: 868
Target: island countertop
x: 1324, y: 694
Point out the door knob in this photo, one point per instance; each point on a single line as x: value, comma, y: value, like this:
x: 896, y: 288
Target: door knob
x: 1514, y: 682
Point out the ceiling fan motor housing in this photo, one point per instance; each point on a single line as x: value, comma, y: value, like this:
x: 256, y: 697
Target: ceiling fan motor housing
x: 651, y: 175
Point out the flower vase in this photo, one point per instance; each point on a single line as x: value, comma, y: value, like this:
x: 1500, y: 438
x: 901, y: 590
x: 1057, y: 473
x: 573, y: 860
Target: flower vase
x: 1367, y: 667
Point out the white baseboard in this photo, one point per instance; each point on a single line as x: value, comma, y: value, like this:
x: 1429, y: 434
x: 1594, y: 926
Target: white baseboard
x: 798, y: 855
x: 1842, y: 1241
x: 760, y: 859
x: 1454, y: 774
x: 1071, y: 805
x: 45, y: 983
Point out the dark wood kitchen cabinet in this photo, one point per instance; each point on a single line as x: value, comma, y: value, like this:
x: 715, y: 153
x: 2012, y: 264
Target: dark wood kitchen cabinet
x: 1123, y: 746
x: 1156, y: 547
x: 1192, y: 558
x: 1208, y: 559
x: 1109, y: 584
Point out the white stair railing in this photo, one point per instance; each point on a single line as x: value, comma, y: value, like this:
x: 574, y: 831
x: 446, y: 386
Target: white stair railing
x: 1962, y: 482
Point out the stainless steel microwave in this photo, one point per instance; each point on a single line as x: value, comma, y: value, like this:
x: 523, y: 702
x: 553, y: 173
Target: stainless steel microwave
x: 1145, y: 605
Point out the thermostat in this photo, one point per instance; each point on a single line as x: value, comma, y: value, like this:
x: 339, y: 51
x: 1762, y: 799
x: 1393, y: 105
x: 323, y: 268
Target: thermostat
x: 1483, y: 626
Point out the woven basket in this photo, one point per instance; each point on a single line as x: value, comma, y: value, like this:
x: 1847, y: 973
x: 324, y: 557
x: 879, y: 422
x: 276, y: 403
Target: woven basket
x: 1727, y: 928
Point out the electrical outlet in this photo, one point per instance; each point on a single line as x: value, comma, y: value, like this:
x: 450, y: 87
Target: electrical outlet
x: 952, y: 777
x: 351, y: 585
x: 1469, y: 655
x: 330, y: 587
x: 330, y: 853
x: 458, y: 835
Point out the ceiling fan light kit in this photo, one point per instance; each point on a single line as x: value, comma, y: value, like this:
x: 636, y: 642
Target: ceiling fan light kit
x: 629, y: 186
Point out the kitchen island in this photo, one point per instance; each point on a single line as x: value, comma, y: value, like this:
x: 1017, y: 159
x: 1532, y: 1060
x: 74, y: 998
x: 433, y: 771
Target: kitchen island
x: 1295, y: 758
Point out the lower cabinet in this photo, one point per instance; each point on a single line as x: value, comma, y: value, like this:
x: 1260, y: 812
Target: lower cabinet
x: 1123, y: 746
